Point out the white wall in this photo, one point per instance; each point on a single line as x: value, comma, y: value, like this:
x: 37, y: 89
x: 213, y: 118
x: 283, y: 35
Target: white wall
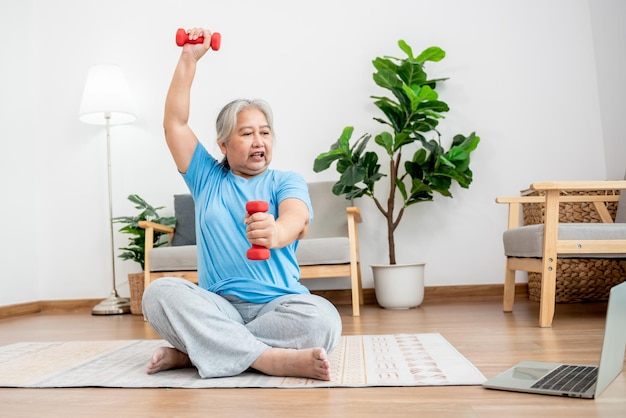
x: 522, y: 75
x: 19, y: 185
x: 608, y: 20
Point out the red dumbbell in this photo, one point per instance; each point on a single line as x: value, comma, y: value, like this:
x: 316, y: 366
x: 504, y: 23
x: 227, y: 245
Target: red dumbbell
x: 257, y: 252
x: 182, y: 38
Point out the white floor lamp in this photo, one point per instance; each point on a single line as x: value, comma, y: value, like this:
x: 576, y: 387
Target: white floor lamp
x: 106, y: 101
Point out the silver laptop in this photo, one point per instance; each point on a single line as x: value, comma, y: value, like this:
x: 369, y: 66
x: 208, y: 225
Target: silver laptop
x: 579, y: 381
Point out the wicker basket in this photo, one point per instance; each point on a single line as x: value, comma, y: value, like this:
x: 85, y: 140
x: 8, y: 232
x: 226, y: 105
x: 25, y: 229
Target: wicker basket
x: 136, y: 284
x: 577, y: 279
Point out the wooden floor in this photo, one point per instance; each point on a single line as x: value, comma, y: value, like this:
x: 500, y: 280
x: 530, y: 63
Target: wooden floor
x: 490, y: 339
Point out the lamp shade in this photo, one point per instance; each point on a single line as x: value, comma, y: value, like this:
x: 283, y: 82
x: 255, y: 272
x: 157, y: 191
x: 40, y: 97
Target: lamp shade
x: 106, y: 95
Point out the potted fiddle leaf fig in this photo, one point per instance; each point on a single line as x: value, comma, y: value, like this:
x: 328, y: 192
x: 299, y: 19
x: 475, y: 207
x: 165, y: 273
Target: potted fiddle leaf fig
x: 419, y: 165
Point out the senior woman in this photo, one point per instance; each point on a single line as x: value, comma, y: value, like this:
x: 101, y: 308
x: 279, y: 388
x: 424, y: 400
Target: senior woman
x: 243, y: 314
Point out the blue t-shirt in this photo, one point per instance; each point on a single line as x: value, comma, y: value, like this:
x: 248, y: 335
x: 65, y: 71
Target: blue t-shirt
x: 220, y: 199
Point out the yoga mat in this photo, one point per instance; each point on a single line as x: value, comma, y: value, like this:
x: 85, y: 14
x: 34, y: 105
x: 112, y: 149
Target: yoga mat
x: 358, y: 361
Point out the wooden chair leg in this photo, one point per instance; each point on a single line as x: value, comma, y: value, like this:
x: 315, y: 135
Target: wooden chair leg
x: 357, y: 292
x: 548, y: 294
x: 361, y: 298
x: 548, y: 268
x: 509, y: 289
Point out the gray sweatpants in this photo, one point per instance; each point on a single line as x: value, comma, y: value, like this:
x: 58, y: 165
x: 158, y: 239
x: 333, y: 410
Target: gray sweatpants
x: 223, y: 336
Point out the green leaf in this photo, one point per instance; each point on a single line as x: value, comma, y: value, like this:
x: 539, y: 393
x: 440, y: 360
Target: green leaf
x: 385, y: 64
x: 344, y: 139
x: 406, y: 48
x: 372, y: 175
x: 385, y: 140
x: 353, y: 175
x: 395, y: 116
x: 400, y: 185
x: 457, y: 153
x: 359, y: 146
x: 420, y: 156
x: 402, y: 139
x: 434, y: 54
x: 386, y: 78
x: 340, y: 149
x: 412, y: 74
x: 468, y: 143
x: 324, y: 161
x: 426, y: 93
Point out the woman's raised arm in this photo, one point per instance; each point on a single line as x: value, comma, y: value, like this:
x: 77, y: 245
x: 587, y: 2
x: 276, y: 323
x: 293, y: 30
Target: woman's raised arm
x: 180, y: 139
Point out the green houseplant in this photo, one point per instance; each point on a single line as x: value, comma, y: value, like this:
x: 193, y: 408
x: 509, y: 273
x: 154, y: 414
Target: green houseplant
x: 135, y: 249
x: 418, y: 163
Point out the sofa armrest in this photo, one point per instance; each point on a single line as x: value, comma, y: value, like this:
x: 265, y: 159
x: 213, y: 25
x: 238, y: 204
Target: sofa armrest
x: 157, y: 227
x: 354, y: 217
x: 355, y: 212
x: 150, y: 227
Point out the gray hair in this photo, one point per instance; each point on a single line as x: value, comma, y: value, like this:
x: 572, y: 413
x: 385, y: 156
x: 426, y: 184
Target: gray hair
x: 227, y: 119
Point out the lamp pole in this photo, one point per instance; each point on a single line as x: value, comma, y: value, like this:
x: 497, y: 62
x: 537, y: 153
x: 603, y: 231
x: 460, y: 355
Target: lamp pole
x: 106, y: 97
x: 114, y: 304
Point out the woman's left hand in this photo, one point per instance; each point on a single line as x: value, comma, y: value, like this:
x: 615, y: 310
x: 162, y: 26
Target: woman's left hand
x: 261, y: 229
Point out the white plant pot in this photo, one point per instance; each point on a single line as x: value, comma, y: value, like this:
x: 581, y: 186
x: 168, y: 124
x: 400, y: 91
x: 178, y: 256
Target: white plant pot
x: 399, y: 286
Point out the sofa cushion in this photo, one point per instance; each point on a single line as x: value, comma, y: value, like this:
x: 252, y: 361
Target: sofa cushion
x: 179, y: 258
x: 323, y: 251
x: 184, y: 210
x: 527, y: 241
x: 310, y: 252
x: 329, y: 212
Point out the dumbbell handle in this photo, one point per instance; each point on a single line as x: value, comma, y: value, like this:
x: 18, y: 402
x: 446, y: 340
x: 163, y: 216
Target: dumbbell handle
x: 182, y: 38
x: 257, y: 252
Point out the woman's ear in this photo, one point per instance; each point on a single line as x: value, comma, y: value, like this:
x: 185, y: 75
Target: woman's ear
x: 222, y: 146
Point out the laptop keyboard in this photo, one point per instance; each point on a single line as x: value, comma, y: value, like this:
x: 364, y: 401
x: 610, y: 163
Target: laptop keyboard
x: 568, y: 378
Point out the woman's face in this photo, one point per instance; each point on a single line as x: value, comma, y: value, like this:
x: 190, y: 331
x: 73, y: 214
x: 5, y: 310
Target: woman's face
x: 249, y: 149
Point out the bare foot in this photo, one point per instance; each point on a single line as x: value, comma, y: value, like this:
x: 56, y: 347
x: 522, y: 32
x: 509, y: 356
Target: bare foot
x: 167, y: 358
x: 310, y: 362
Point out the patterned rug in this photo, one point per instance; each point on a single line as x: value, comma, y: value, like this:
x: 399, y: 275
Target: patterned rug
x: 359, y: 361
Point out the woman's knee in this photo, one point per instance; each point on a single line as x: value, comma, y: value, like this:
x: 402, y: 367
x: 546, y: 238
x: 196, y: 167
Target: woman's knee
x: 323, y: 322
x: 163, y: 290
x: 334, y: 324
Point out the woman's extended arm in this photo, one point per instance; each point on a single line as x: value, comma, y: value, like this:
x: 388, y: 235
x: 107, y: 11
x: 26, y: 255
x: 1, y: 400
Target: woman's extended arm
x: 292, y: 224
x: 179, y: 137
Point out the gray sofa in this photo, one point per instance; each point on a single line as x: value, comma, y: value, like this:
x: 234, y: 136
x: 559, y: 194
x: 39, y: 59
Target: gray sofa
x: 329, y: 250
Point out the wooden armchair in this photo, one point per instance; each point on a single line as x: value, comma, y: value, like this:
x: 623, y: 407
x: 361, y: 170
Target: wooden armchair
x: 330, y: 249
x: 536, y: 248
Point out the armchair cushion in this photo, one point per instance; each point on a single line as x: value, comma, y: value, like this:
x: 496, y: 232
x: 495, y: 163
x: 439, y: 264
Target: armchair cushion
x: 527, y: 241
x: 184, y: 210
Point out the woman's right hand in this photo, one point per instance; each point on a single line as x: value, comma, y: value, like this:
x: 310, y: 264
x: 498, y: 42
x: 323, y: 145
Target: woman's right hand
x: 198, y: 50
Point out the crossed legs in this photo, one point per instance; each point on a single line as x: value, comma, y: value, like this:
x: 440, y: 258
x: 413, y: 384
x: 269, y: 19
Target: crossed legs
x: 289, y: 336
